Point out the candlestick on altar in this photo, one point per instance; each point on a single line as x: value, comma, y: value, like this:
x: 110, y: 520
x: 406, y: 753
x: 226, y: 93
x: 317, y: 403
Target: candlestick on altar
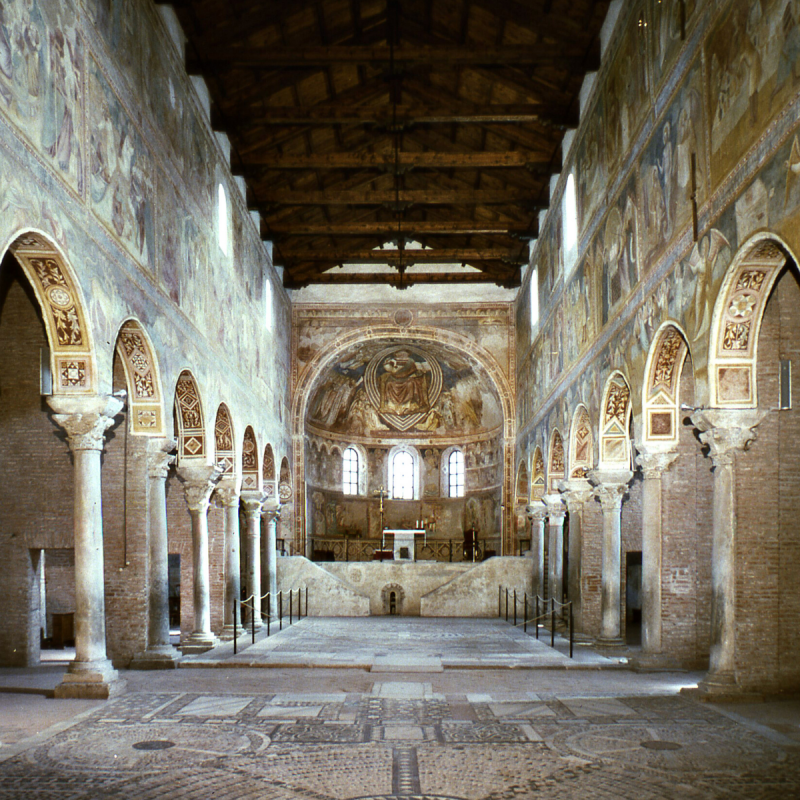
x: 381, y: 494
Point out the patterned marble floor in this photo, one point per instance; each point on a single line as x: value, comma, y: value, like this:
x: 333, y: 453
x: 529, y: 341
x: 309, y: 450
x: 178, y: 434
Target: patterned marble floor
x: 300, y: 733
x: 403, y: 740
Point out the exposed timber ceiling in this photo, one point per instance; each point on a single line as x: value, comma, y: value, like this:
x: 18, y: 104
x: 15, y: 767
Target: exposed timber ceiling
x: 362, y: 122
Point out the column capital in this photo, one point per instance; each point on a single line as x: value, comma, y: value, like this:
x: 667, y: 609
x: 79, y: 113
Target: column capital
x: 653, y: 461
x: 537, y: 510
x: 160, y: 456
x: 576, y: 492
x: 555, y: 507
x: 610, y: 487
x: 727, y: 430
x: 253, y: 503
x: 85, y: 419
x: 227, y: 493
x: 271, y: 512
x: 198, y: 483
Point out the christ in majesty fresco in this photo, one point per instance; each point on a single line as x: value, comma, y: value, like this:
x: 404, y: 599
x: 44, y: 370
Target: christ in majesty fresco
x: 404, y: 385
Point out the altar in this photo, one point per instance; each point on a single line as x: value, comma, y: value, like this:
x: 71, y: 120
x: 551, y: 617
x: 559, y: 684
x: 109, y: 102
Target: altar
x: 404, y: 542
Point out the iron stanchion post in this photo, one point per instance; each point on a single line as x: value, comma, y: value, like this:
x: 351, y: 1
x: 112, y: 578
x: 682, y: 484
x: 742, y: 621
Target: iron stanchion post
x: 506, y: 605
x: 253, y: 620
x: 291, y: 604
x: 306, y: 600
x: 570, y: 630
x: 280, y: 610
x: 552, y: 622
x: 536, y: 616
x: 525, y: 613
x: 515, y: 608
x: 234, y: 626
x: 269, y: 611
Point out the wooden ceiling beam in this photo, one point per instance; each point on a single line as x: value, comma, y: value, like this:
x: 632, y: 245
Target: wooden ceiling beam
x: 509, y: 279
x: 333, y: 197
x: 403, y: 115
x: 455, y: 255
x: 386, y: 160
x: 403, y: 228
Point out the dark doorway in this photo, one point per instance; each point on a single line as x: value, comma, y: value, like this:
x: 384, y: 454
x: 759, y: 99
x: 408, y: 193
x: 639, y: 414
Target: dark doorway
x: 633, y: 598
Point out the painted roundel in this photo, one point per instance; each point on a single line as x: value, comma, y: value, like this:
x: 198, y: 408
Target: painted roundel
x: 403, y: 384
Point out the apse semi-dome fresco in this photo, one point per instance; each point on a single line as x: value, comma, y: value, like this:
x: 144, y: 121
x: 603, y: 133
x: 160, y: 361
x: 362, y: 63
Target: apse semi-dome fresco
x: 404, y: 388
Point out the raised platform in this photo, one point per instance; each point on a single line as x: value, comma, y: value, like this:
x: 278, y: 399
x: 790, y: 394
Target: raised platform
x: 422, y: 588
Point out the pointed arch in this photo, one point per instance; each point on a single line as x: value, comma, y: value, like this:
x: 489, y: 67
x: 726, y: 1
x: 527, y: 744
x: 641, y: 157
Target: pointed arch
x: 285, y: 481
x: 268, y: 473
x: 224, y: 449
x: 189, y: 415
x: 615, y: 441
x: 555, y: 462
x: 660, y: 401
x: 143, y: 380
x: 581, y: 443
x: 537, y: 483
x: 523, y: 484
x: 733, y: 349
x: 72, y: 356
x: 251, y: 476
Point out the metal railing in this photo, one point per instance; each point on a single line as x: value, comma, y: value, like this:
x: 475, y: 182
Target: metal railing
x: 551, y: 611
x: 249, y: 603
x: 450, y: 550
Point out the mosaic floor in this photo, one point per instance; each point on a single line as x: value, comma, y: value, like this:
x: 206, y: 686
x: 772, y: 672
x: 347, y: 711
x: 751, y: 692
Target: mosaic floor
x: 325, y: 734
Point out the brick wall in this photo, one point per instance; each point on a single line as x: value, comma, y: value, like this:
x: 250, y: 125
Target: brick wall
x: 36, y: 496
x: 179, y: 538
x: 768, y: 511
x: 591, y: 567
x: 687, y: 488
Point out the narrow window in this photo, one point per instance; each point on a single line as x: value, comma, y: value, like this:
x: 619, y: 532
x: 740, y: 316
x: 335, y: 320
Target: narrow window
x: 350, y: 470
x: 268, y: 303
x: 456, y: 473
x: 570, y: 225
x: 222, y: 219
x: 534, y: 290
x: 402, y: 479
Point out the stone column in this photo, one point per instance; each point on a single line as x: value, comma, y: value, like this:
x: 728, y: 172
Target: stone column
x: 725, y: 432
x: 271, y: 516
x: 576, y: 492
x: 253, y: 503
x: 555, y: 523
x: 160, y: 654
x: 653, y: 464
x: 610, y: 490
x: 227, y: 494
x: 537, y: 511
x: 198, y: 483
x: 85, y: 420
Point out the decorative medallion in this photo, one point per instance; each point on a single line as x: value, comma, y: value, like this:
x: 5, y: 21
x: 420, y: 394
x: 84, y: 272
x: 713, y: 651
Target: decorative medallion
x: 403, y: 318
x: 403, y: 384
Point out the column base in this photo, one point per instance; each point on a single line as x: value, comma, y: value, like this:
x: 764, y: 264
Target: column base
x: 227, y: 632
x: 89, y: 680
x: 613, y: 642
x: 721, y: 687
x: 157, y: 657
x: 198, y: 642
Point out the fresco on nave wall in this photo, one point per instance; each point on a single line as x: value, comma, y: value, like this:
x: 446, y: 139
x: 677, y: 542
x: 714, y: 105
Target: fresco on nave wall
x: 626, y: 91
x: 579, y: 327
x: 122, y: 179
x: 669, y: 20
x: 667, y: 169
x: 753, y: 61
x: 590, y: 163
x: 617, y: 244
x: 42, y: 64
x: 424, y: 388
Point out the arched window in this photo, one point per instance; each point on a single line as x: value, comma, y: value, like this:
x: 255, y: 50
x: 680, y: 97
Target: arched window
x: 403, y: 475
x: 222, y: 219
x: 350, y: 471
x: 570, y: 225
x: 268, y: 303
x: 534, y: 290
x: 455, y: 470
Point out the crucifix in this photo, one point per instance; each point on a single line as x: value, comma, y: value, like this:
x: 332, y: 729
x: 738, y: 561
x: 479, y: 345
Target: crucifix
x: 381, y: 494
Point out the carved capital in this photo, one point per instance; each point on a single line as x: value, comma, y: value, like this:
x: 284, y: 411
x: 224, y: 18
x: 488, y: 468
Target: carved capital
x: 654, y: 462
x: 271, y: 513
x: 85, y: 419
x: 160, y: 456
x: 198, y: 483
x: 536, y: 511
x: 576, y: 492
x: 227, y: 494
x: 610, y: 487
x: 253, y: 504
x: 727, y: 430
x: 555, y: 507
